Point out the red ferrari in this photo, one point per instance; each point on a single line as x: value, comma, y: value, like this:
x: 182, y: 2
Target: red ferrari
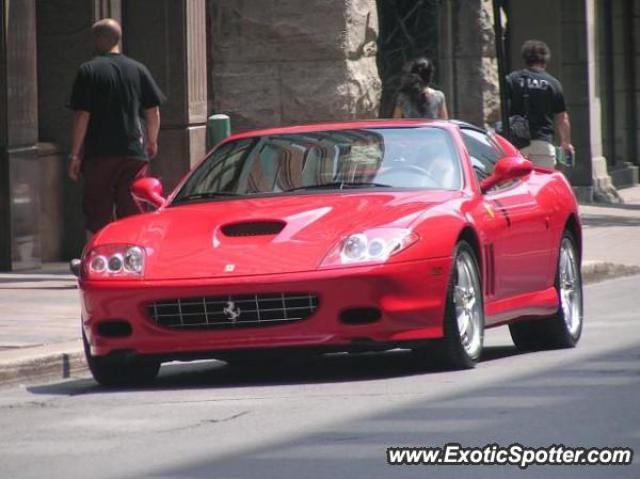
x: 368, y: 235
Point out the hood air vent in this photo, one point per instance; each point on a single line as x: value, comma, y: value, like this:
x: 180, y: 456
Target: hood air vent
x: 253, y: 228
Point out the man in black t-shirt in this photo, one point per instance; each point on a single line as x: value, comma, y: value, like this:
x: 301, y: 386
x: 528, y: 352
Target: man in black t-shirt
x: 111, y: 96
x: 545, y: 107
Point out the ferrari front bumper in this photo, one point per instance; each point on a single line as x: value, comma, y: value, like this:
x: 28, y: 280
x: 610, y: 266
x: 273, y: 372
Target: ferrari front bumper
x: 410, y: 297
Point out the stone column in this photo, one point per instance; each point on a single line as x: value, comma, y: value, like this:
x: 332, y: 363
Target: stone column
x: 107, y: 9
x: 587, y: 120
x: 579, y: 50
x: 19, y: 169
x: 169, y: 37
x: 280, y: 62
x: 617, y: 72
x: 469, y: 69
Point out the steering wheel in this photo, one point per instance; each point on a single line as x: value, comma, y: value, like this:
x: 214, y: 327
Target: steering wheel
x: 413, y: 169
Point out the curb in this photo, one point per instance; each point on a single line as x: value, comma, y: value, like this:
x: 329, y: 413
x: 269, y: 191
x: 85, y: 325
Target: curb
x: 42, y: 363
x: 61, y: 361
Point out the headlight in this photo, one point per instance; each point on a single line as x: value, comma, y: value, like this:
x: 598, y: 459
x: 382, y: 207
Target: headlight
x: 376, y: 245
x: 134, y: 259
x: 114, y: 261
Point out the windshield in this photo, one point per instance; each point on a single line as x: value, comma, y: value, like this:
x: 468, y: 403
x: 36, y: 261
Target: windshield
x: 416, y: 158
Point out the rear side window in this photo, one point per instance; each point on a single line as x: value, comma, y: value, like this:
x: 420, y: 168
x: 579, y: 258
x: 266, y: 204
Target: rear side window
x: 484, y: 152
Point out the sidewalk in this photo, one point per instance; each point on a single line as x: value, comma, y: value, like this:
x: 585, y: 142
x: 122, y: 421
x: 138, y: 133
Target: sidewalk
x: 39, y: 324
x: 40, y: 311
x: 612, y: 232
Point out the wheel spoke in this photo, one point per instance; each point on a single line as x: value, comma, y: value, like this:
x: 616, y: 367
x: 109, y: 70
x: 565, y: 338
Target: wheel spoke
x: 458, y: 295
x: 471, y: 303
x: 463, y: 324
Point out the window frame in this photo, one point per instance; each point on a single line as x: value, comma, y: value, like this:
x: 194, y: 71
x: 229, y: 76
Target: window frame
x: 464, y: 133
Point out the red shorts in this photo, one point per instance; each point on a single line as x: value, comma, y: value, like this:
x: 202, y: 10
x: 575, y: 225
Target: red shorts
x: 107, y: 189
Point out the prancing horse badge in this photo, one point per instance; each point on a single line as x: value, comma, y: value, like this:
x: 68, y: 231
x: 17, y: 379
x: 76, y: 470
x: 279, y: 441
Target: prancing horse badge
x: 231, y: 311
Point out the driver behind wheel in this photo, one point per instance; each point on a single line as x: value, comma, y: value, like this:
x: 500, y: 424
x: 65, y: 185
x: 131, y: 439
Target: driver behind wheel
x: 420, y: 165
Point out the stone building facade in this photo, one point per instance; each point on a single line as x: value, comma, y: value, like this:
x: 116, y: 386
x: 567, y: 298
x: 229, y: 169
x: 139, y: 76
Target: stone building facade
x: 278, y: 62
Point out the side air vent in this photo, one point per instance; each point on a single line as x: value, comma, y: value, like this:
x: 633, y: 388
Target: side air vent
x: 489, y: 270
x: 253, y: 228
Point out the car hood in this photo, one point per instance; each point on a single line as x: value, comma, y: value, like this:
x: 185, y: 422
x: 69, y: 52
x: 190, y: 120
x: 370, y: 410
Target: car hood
x: 240, y: 237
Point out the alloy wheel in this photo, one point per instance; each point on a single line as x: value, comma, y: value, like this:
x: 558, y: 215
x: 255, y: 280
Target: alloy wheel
x: 466, y: 298
x: 570, y: 287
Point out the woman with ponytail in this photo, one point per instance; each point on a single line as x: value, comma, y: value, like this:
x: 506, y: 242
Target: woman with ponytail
x: 416, y: 99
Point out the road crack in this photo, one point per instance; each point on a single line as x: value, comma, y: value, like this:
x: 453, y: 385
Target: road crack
x: 205, y: 422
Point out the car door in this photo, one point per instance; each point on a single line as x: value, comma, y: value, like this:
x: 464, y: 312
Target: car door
x: 517, y: 226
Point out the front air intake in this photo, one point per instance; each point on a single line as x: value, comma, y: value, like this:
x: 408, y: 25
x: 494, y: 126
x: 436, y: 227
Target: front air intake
x: 253, y: 228
x: 233, y: 311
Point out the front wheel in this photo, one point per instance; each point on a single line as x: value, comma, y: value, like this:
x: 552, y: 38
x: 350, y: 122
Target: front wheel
x: 563, y: 330
x: 115, y: 371
x: 461, y: 346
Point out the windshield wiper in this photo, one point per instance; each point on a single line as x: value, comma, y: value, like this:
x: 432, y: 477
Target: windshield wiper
x: 340, y: 185
x: 205, y: 196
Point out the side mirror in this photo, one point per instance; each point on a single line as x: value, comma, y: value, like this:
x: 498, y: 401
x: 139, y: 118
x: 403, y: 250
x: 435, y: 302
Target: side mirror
x: 74, y: 266
x: 507, y: 169
x: 148, y: 190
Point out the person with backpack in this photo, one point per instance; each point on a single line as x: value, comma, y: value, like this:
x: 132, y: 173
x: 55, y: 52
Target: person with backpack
x: 537, y: 106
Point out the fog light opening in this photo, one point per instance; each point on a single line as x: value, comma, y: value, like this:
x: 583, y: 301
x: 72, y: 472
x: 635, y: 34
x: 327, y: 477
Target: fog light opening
x: 360, y: 316
x: 115, y: 328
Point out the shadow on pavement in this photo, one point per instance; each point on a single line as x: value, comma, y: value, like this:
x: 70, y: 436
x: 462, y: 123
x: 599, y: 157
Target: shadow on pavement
x: 589, y: 403
x: 333, y: 368
x: 613, y: 206
x: 605, y: 220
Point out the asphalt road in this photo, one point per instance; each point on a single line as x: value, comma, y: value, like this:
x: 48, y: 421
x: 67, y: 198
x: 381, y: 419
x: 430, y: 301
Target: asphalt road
x: 335, y: 418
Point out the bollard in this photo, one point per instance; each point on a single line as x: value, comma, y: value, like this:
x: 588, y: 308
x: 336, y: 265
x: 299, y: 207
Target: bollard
x: 218, y: 128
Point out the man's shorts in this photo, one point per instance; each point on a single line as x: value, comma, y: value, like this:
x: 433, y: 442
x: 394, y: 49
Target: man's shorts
x: 541, y: 153
x: 107, y: 189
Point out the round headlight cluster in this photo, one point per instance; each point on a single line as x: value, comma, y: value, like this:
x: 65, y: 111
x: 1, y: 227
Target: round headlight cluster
x: 115, y: 259
x: 359, y: 247
x: 374, y: 245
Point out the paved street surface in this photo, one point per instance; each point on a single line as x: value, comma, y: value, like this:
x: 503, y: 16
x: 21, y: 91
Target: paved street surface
x: 335, y: 418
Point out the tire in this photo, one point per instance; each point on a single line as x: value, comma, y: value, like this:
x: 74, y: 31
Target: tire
x: 116, y: 371
x: 461, y: 346
x: 564, y: 328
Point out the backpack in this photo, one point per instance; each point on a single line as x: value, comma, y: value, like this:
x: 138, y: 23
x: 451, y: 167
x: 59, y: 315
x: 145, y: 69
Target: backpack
x: 519, y: 130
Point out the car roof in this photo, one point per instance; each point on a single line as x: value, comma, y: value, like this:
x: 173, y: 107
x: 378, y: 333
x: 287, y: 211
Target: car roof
x: 348, y: 125
x: 470, y: 126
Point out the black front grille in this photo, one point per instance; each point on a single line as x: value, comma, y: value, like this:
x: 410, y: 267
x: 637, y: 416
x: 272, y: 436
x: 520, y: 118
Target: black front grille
x: 235, y: 311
